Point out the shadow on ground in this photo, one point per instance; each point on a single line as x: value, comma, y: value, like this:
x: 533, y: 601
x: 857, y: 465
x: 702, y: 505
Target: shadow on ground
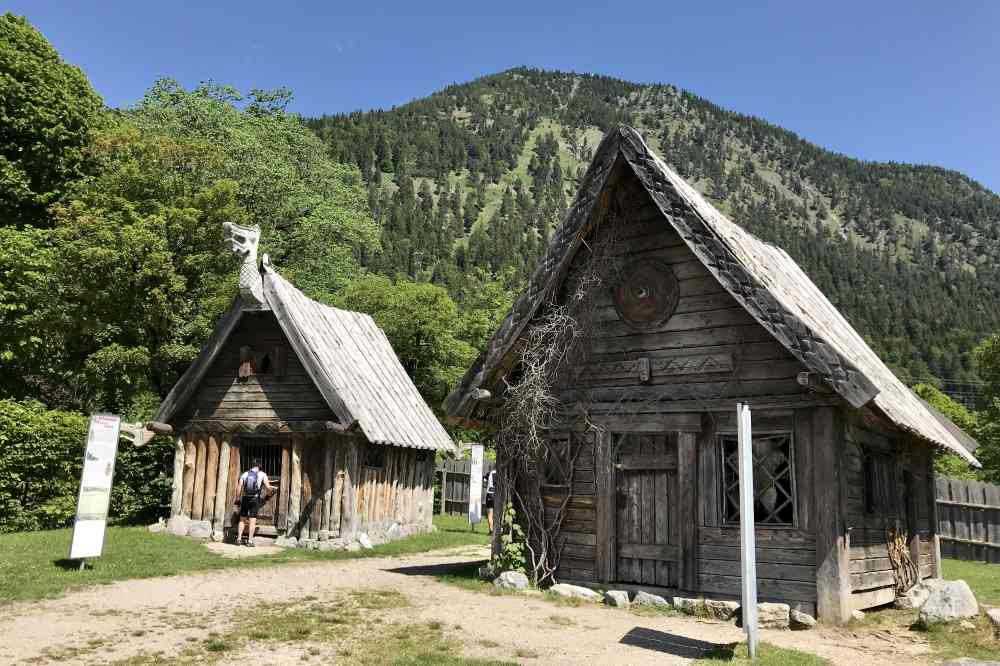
x: 679, y: 646
x: 466, y: 568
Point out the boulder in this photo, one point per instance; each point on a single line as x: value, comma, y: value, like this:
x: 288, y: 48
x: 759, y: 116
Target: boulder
x: 574, y: 592
x: 800, y: 620
x: 857, y: 615
x: 331, y: 545
x: 915, y: 597
x: 952, y: 601
x: 722, y: 610
x: 394, y: 532
x: 200, y: 529
x: 218, y: 536
x: 692, y: 606
x: 365, y: 542
x: 994, y: 616
x: 616, y: 598
x: 511, y: 580
x: 773, y: 616
x: 353, y: 547
x: 647, y: 599
x: 178, y: 525
x: 157, y: 527
x: 286, y: 541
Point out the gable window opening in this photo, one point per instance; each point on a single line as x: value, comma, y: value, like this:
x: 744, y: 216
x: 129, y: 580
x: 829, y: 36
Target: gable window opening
x: 374, y: 456
x: 773, y: 480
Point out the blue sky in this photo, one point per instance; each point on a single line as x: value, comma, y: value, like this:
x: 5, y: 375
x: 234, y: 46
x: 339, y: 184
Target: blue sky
x: 905, y: 81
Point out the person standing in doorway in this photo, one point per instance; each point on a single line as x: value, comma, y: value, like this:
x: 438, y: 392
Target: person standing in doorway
x: 491, y: 491
x: 253, y: 484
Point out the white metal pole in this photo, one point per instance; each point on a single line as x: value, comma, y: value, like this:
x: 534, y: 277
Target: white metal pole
x: 748, y: 545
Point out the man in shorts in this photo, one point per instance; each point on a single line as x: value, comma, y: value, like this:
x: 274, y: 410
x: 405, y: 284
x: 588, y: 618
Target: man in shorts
x: 491, y: 493
x: 253, y: 483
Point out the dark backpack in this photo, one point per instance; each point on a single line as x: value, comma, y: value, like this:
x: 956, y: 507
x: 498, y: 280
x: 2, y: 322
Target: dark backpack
x: 251, y: 487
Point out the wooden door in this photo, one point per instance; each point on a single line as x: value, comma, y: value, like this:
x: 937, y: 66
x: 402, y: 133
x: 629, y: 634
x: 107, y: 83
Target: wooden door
x: 647, y: 527
x: 272, y: 454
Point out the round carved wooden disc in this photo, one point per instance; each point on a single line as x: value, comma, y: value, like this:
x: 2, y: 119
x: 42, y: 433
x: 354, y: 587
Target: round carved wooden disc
x: 646, y: 294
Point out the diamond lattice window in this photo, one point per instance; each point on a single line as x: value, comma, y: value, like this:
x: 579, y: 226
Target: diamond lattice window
x: 773, y: 480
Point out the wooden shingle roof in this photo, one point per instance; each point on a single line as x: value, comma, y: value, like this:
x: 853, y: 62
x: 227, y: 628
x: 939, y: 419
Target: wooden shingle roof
x: 349, y: 359
x: 761, y: 277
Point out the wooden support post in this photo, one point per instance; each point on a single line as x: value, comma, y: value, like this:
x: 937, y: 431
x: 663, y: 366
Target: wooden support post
x: 211, y: 477
x: 605, y: 510
x: 934, y: 518
x: 338, y: 485
x: 281, y: 520
x: 350, y: 505
x: 219, y: 515
x: 687, y: 480
x: 833, y: 577
x: 295, y: 489
x: 199, y: 478
x: 233, y: 486
x: 307, y: 491
x: 324, y: 528
x: 177, y: 494
x: 190, y: 463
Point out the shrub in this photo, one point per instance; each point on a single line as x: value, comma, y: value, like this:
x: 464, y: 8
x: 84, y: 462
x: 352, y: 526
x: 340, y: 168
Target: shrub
x: 41, y: 453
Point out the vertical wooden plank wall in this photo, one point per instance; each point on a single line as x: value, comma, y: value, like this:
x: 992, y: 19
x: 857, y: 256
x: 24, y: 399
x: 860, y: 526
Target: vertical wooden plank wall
x: 203, y: 481
x: 968, y: 520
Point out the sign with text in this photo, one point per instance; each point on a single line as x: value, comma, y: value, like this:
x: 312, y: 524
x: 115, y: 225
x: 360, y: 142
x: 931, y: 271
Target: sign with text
x: 95, y: 486
x: 476, y: 485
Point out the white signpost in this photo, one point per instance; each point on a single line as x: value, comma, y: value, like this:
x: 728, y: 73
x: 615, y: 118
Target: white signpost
x: 476, y: 485
x: 748, y: 542
x: 95, y: 487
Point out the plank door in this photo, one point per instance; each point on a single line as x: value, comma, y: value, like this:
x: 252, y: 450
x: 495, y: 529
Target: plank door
x: 271, y: 451
x: 647, y: 529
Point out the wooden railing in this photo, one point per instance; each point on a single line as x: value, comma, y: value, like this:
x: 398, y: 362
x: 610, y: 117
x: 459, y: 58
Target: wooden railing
x: 453, y: 479
x: 969, y: 520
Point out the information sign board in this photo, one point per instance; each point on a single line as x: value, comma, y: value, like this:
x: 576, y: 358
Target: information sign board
x: 95, y: 486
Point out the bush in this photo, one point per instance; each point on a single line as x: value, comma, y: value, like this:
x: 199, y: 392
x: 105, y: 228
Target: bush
x: 41, y: 453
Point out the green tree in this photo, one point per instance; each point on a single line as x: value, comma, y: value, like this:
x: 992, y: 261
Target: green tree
x: 422, y: 323
x: 47, y: 108
x: 948, y: 464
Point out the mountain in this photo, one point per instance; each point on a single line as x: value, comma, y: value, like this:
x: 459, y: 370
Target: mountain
x: 479, y: 174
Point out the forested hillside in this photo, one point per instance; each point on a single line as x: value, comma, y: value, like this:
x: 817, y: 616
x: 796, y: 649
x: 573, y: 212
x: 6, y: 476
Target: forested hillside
x: 478, y: 175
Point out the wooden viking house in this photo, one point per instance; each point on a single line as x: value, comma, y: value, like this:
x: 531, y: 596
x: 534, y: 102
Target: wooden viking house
x: 694, y: 315
x: 319, y: 396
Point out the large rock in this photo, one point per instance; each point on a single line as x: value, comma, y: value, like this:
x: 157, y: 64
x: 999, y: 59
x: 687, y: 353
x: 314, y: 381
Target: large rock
x: 394, y: 532
x: 951, y: 601
x: 773, y: 616
x: 800, y: 620
x: 365, y: 542
x: 511, y: 580
x: 157, y: 527
x: 722, y: 610
x: 692, y: 606
x: 200, y: 529
x: 286, y: 541
x: 915, y: 597
x: 647, y: 599
x: 616, y: 598
x: 574, y: 592
x: 178, y: 525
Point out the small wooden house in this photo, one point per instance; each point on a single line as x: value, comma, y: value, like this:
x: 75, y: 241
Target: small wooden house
x: 319, y: 396
x: 694, y: 315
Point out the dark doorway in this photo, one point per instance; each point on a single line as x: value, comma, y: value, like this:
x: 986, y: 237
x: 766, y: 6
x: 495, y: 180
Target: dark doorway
x: 268, y: 450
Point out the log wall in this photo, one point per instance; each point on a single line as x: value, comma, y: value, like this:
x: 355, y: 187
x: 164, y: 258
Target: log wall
x: 324, y: 490
x: 902, y: 502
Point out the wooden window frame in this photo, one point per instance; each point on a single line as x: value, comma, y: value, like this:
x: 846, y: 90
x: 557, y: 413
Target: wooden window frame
x: 724, y: 519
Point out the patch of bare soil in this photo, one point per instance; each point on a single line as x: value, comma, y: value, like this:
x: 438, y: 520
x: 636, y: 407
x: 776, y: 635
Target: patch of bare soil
x: 166, y: 616
x: 234, y: 552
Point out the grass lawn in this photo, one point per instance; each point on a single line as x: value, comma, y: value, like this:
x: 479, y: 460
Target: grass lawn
x: 984, y: 579
x: 33, y: 564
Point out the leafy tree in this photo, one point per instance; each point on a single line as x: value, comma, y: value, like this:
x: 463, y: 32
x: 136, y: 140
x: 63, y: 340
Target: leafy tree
x: 948, y: 464
x: 423, y: 325
x: 47, y: 108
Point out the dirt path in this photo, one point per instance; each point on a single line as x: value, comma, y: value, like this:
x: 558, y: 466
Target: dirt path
x: 125, y: 619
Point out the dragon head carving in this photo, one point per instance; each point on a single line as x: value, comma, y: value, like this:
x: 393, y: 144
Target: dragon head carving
x: 244, y: 241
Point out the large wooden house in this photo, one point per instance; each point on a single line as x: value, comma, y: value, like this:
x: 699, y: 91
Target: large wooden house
x: 320, y: 397
x: 695, y: 315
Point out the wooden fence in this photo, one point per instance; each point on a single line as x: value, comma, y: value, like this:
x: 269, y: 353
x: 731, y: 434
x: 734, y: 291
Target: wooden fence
x: 969, y: 520
x: 453, y: 479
